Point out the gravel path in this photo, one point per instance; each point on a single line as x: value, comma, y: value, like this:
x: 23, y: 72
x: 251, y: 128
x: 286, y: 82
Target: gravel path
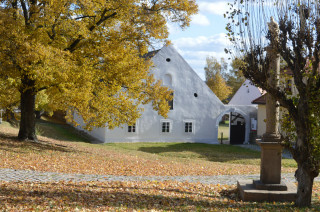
x: 285, y: 153
x: 35, y: 176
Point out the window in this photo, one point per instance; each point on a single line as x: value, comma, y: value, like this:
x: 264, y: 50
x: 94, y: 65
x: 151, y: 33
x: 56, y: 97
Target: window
x: 188, y: 127
x: 170, y: 103
x: 165, y: 127
x: 132, y: 128
x: 289, y: 86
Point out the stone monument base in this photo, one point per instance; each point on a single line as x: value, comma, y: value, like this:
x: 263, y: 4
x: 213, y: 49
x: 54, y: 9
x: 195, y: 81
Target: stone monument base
x: 249, y: 191
x: 270, y: 187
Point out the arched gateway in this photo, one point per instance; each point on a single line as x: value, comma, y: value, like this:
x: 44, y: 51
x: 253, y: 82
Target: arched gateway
x: 239, y: 122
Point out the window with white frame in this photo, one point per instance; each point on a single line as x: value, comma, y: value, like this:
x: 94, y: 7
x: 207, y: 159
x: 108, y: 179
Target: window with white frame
x: 165, y: 127
x: 132, y: 128
x: 188, y: 127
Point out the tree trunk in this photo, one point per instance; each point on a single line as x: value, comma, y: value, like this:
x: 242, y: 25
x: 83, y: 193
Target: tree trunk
x: 28, y: 121
x: 305, y: 182
x: 38, y: 114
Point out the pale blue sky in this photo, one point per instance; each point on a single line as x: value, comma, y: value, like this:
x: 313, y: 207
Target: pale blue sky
x: 206, y: 35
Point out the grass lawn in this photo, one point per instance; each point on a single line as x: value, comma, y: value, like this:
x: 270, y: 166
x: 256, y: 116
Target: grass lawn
x: 225, y: 130
x: 60, y: 150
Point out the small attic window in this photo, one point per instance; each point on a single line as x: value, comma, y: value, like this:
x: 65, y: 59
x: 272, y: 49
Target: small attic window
x: 168, y: 59
x: 195, y: 95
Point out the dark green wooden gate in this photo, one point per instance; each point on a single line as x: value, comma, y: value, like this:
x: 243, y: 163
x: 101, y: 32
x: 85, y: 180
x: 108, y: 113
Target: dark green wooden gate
x: 237, y: 129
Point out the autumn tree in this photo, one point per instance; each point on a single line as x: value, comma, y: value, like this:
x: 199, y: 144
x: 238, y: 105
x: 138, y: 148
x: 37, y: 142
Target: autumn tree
x: 10, y: 100
x: 299, y: 47
x: 235, y: 77
x: 84, y: 55
x: 214, y: 72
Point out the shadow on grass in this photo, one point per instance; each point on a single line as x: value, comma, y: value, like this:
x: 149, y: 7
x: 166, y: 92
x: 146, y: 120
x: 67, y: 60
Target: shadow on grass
x: 217, y: 153
x: 95, y: 198
x: 58, y: 131
x: 11, y: 143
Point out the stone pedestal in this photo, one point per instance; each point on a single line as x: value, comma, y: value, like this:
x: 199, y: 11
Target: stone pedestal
x: 270, y: 169
x: 269, y: 187
x: 248, y: 192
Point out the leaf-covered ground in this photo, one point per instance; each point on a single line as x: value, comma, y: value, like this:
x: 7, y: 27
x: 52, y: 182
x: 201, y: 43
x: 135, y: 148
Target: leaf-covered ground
x: 131, y: 196
x: 61, y: 151
x: 57, y: 155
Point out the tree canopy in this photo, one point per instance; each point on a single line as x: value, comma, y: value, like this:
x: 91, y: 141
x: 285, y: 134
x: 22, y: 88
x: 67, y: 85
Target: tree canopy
x: 84, y: 55
x: 297, y: 42
x: 222, y: 81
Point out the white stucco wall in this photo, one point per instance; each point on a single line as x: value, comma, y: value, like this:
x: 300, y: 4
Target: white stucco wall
x: 98, y: 133
x: 201, y: 110
x: 204, y: 109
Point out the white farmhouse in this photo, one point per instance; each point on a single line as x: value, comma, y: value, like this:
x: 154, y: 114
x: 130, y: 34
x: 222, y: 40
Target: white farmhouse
x: 246, y: 94
x: 195, y: 112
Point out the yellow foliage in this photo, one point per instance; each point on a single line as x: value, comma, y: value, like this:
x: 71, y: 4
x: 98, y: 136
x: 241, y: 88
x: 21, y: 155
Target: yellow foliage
x: 85, y: 55
x: 219, y: 86
x: 214, y: 79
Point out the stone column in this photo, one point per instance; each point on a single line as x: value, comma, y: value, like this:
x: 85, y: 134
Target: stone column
x: 272, y: 111
x: 271, y: 149
x: 270, y: 187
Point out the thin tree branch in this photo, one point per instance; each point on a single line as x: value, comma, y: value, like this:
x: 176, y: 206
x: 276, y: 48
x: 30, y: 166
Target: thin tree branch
x: 103, y: 18
x: 25, y: 12
x: 85, y: 16
x: 32, y: 8
x: 47, y: 87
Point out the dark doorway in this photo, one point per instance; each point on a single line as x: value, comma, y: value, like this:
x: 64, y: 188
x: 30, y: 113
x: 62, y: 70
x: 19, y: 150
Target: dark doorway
x: 237, y: 128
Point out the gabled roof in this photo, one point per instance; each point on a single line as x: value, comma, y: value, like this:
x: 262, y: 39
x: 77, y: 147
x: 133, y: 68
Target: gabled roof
x: 260, y: 100
x: 150, y: 55
x: 170, y: 62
